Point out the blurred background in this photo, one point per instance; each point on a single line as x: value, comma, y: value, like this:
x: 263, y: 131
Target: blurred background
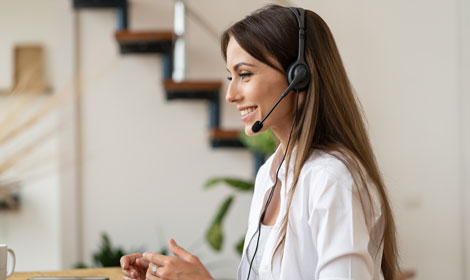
x: 93, y: 140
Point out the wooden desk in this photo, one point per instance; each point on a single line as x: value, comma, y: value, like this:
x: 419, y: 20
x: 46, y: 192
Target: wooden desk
x: 114, y: 273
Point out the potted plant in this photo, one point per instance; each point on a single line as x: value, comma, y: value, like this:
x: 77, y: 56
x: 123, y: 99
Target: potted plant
x: 263, y: 145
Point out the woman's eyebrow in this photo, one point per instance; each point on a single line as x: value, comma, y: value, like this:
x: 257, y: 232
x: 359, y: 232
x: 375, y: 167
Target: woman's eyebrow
x: 235, y: 68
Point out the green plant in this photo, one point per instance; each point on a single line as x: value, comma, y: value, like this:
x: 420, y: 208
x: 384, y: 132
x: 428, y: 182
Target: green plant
x: 109, y: 256
x: 106, y: 256
x: 264, y: 144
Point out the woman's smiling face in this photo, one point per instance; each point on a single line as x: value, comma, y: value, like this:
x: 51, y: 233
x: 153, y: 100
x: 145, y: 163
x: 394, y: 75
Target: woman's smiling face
x: 255, y: 87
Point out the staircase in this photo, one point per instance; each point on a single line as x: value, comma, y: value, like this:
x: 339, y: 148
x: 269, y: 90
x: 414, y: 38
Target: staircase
x: 163, y: 42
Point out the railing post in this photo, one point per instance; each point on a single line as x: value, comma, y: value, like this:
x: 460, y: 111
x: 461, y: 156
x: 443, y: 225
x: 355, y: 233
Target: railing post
x: 179, y: 57
x: 214, y: 113
x: 259, y: 160
x: 122, y: 15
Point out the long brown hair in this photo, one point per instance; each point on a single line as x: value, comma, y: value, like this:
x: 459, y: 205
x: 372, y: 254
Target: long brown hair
x: 330, y: 118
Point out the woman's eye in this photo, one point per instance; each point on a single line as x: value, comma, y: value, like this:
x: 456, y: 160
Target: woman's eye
x: 242, y: 76
x: 245, y: 75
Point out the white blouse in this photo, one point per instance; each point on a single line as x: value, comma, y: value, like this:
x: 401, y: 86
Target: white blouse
x: 327, y: 237
x: 251, y: 248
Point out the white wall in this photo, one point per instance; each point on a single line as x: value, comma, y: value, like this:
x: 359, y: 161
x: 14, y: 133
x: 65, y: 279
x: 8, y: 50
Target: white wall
x: 32, y: 232
x: 68, y: 80
x: 465, y: 124
x: 403, y: 64
x: 145, y: 159
x: 403, y: 61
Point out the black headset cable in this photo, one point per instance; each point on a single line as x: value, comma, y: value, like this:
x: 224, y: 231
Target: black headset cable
x: 274, y: 186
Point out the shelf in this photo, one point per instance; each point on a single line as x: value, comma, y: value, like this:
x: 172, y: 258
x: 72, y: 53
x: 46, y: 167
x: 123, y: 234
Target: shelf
x: 77, y: 4
x: 225, y: 138
x: 7, y: 92
x: 10, y: 202
x: 144, y: 42
x: 207, y: 90
x: 9, y: 196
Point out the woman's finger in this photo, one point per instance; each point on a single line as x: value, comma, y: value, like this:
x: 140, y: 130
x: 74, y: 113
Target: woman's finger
x: 124, y: 262
x: 155, y: 258
x: 128, y: 260
x: 179, y: 251
x: 142, y: 262
x: 131, y: 272
x: 153, y: 272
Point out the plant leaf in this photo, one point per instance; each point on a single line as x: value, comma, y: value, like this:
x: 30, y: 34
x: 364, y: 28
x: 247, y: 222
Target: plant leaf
x: 238, y: 184
x: 223, y: 209
x: 264, y: 143
x: 239, y: 246
x: 80, y: 265
x: 107, y: 256
x: 215, y: 234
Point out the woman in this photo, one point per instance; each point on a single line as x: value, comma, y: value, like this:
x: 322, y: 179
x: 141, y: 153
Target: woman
x: 328, y: 215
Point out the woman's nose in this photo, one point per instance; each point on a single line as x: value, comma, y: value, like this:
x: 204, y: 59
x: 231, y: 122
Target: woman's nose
x: 232, y: 94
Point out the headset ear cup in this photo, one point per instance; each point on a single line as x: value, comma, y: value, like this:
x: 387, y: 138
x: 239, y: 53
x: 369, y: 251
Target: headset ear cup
x: 290, y: 73
x: 296, y: 69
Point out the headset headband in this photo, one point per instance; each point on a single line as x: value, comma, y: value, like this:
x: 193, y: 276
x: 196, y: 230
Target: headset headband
x: 299, y: 69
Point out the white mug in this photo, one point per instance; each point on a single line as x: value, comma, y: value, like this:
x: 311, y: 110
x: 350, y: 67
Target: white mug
x: 4, y: 272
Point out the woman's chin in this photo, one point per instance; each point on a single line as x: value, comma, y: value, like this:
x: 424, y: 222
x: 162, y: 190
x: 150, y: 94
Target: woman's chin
x: 248, y: 130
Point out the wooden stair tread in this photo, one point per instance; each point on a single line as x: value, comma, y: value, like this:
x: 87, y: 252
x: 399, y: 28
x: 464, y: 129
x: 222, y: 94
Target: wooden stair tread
x: 145, y: 42
x: 99, y: 3
x: 225, y: 138
x: 194, y: 85
x: 218, y: 133
x: 132, y: 36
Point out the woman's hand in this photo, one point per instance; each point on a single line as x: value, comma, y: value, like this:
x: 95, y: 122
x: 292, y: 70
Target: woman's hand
x: 183, y: 266
x: 134, y: 267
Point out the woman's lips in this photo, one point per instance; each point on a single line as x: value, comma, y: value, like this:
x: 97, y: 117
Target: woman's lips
x: 248, y: 116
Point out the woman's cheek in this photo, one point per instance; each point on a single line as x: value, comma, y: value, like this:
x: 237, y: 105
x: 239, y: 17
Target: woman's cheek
x: 256, y: 92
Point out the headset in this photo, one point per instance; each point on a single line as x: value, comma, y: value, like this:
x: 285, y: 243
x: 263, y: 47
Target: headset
x: 298, y: 73
x: 298, y: 79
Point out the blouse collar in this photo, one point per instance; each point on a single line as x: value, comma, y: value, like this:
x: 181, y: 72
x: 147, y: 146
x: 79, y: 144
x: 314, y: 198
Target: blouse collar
x: 278, y: 154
